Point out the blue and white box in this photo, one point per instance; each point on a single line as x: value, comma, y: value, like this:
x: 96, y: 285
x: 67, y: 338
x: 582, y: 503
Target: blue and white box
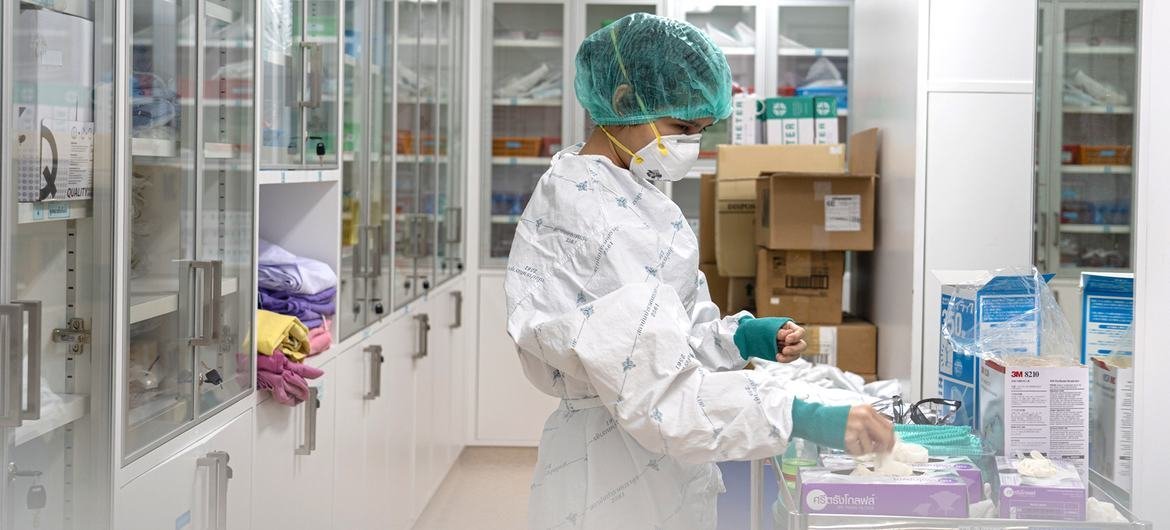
x: 984, y: 314
x: 1106, y: 314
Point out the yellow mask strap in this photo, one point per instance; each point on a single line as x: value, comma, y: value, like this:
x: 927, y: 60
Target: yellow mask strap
x: 633, y: 156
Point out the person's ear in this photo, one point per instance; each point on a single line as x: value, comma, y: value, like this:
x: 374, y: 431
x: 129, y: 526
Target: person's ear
x: 620, y: 99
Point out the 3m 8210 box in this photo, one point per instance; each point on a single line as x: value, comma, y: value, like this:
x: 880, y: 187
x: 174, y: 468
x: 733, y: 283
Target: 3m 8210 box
x: 1106, y: 314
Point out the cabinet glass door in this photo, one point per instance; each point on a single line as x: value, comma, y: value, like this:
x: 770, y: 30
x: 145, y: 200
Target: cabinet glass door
x: 734, y: 29
x: 449, y: 201
x: 321, y: 82
x: 382, y: 142
x: 159, y: 380
x: 352, y: 312
x: 432, y: 94
x: 225, y: 221
x: 282, y: 46
x: 526, y: 72
x: 813, y: 52
x: 55, y: 263
x: 408, y: 171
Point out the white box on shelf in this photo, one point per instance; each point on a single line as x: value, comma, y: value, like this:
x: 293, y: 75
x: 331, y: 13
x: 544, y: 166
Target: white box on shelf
x: 1111, y: 419
x: 744, y: 122
x: 825, y: 119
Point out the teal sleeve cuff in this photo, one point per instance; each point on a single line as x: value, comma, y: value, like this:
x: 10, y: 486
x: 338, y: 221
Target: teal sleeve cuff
x: 820, y: 424
x: 756, y: 337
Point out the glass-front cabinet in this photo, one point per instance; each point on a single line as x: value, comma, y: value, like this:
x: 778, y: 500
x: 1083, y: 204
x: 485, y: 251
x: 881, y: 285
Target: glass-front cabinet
x: 56, y: 234
x: 813, y: 42
x: 300, y: 43
x: 1085, y: 135
x: 190, y: 196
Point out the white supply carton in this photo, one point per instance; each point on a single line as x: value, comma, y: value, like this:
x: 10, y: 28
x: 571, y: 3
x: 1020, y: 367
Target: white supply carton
x: 744, y: 121
x: 1036, y: 404
x: 789, y: 121
x: 1106, y: 314
x: 1111, y: 419
x: 825, y: 119
x: 52, y: 117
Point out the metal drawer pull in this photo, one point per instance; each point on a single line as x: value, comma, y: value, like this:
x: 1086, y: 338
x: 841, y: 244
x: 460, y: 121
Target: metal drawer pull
x: 311, y: 405
x: 424, y: 326
x: 458, y: 322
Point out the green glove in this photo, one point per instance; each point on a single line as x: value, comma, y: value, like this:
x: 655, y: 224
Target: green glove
x: 756, y: 337
x: 820, y: 424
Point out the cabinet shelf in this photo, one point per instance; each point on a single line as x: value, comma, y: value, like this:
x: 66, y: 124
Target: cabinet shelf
x: 73, y: 407
x: 1113, y: 49
x: 296, y: 176
x: 152, y: 303
x: 1098, y: 109
x: 1094, y: 170
x: 521, y: 161
x: 527, y: 43
x: 219, y: 12
x: 153, y: 147
x: 422, y: 159
x: 1094, y: 229
x: 814, y: 52
x: 41, y: 212
x: 526, y: 102
x: 190, y: 102
x: 425, y: 41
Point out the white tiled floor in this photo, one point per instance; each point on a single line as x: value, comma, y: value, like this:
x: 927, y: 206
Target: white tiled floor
x: 487, y: 489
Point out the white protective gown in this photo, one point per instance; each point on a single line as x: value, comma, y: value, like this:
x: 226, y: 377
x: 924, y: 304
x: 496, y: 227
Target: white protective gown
x: 610, y: 313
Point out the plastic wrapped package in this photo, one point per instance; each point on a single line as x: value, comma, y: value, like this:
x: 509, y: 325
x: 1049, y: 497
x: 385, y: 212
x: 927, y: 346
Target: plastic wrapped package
x: 278, y: 26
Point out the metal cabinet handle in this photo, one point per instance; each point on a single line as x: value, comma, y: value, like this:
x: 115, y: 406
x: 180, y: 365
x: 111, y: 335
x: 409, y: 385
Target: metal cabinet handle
x: 33, y: 377
x: 455, y: 224
x: 376, y: 270
x: 313, y: 50
x: 359, y: 253
x: 458, y: 321
x: 424, y: 326
x: 218, y: 475
x: 311, y: 405
x: 10, y: 410
x: 216, y: 290
x: 199, y: 335
x: 375, y: 359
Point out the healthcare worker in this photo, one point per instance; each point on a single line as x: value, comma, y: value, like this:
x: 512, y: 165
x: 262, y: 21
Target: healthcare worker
x: 610, y: 313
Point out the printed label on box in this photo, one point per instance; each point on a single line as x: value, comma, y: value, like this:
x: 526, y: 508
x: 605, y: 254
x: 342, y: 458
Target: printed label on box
x: 67, y: 158
x: 842, y: 213
x: 822, y: 347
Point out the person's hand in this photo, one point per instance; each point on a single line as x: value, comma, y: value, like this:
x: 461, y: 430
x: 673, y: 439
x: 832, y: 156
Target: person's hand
x: 868, y: 432
x: 790, y: 342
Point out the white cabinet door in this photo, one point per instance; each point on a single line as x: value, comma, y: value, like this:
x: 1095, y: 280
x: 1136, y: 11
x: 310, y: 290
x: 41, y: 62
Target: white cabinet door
x: 352, y: 498
x: 423, y: 364
x: 440, y: 358
x: 295, y: 450
x: 392, y: 427
x: 509, y: 410
x: 208, y: 482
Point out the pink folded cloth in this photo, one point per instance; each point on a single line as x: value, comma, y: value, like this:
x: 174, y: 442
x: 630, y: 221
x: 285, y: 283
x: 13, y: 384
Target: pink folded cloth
x: 296, y: 386
x: 284, y: 378
x: 320, y: 339
x: 275, y: 384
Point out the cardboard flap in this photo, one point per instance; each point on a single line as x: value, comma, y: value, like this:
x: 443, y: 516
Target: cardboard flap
x: 740, y: 161
x: 741, y: 189
x: 863, y: 152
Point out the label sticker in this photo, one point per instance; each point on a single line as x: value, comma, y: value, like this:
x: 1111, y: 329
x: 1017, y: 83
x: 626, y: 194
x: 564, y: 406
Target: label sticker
x: 842, y: 213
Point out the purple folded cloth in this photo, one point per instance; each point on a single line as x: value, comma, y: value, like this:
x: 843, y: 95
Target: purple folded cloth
x: 298, y: 305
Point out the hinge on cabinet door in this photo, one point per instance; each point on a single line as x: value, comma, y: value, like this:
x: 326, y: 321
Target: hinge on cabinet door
x: 76, y: 336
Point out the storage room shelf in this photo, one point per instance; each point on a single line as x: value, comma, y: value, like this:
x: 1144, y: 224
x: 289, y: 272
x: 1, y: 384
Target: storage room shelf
x: 140, y: 415
x: 41, y: 212
x: 1078, y: 169
x: 521, y: 161
x: 326, y: 39
x: 527, y: 43
x: 274, y: 57
x: 219, y: 12
x: 422, y: 159
x: 1099, y: 109
x: 814, y: 52
x: 297, y: 176
x: 153, y: 147
x: 424, y: 101
x: 1114, y: 49
x: 525, y: 102
x: 1094, y: 229
x: 189, y: 43
x: 219, y: 151
x: 148, y: 303
x: 505, y: 219
x: 425, y: 41
x: 73, y: 407
x: 738, y: 50
x: 190, y: 102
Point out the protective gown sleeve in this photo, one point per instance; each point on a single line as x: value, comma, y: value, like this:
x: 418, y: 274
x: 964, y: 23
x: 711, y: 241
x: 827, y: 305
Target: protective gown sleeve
x: 711, y: 337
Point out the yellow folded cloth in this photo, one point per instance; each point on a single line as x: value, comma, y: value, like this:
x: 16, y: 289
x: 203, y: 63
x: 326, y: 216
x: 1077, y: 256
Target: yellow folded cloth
x: 287, y: 333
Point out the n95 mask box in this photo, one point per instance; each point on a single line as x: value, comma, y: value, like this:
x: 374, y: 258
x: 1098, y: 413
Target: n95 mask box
x: 1106, y: 314
x: 1040, y: 404
x: 1111, y: 419
x: 1060, y: 497
x: 923, y: 494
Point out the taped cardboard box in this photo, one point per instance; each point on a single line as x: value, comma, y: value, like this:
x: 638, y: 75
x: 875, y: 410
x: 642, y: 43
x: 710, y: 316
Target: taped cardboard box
x: 813, y: 209
x: 716, y: 285
x: 707, y: 219
x: 738, y: 168
x: 803, y: 285
x: 850, y: 345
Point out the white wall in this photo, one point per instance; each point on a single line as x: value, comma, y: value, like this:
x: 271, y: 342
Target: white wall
x: 1152, y: 266
x: 885, y: 57
x: 974, y: 186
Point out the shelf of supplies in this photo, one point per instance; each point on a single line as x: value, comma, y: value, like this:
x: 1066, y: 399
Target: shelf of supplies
x: 1112, y: 49
x: 41, y: 212
x: 521, y: 161
x: 1078, y: 169
x: 148, y: 302
x: 322, y: 39
x: 739, y: 50
x: 423, y: 101
x: 422, y: 159
x: 1098, y: 109
x: 153, y: 147
x: 72, y: 407
x: 425, y: 41
x: 505, y: 219
x: 1094, y: 229
x: 297, y: 176
x: 526, y: 102
x: 814, y: 52
x: 219, y: 12
x: 527, y: 43
x: 190, y: 102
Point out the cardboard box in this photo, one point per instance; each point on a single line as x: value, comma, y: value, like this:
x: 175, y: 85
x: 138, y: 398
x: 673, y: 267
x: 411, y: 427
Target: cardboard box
x: 1036, y: 404
x: 1106, y: 314
x: 740, y: 295
x: 812, y: 209
x: 803, y: 285
x: 825, y: 119
x: 1111, y: 419
x: 1060, y: 498
x: 744, y: 121
x: 988, y: 310
x: 707, y: 190
x: 929, y: 494
x: 716, y: 285
x: 738, y: 168
x: 52, y: 121
x: 850, y: 346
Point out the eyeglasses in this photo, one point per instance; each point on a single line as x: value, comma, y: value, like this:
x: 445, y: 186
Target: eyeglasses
x: 929, y: 411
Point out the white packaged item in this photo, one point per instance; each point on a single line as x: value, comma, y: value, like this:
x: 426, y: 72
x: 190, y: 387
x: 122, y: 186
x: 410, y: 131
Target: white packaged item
x: 744, y: 123
x: 1111, y: 419
x: 825, y: 120
x: 1106, y: 314
x: 53, y: 106
x: 789, y: 120
x: 1035, y: 487
x: 1040, y: 404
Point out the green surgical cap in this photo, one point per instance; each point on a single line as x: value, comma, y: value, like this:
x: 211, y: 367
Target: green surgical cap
x: 672, y: 68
